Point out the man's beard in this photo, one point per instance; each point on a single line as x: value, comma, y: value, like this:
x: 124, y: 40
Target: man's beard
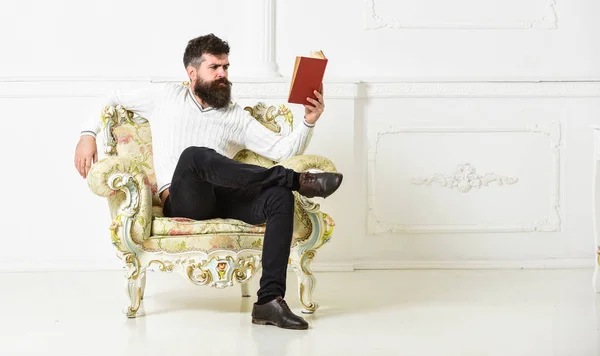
x: 214, y: 93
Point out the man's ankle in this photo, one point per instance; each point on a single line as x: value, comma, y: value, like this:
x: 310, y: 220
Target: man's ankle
x: 265, y: 299
x: 296, y: 181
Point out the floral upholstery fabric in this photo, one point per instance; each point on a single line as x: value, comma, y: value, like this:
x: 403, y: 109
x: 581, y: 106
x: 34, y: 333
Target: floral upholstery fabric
x: 304, y: 163
x: 204, y: 243
x: 133, y: 149
x: 135, y: 142
x: 162, y: 226
x: 184, y: 226
x: 247, y: 156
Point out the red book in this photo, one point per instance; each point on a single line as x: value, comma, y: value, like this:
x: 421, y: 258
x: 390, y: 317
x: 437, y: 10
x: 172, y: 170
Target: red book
x: 308, y: 76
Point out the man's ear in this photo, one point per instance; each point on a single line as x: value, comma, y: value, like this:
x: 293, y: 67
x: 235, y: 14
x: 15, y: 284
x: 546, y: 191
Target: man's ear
x: 191, y: 71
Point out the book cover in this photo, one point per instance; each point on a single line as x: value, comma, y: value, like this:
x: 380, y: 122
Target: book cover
x: 307, y: 77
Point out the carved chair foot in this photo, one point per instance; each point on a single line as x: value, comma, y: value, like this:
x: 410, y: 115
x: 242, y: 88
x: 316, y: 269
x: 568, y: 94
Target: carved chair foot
x: 135, y: 291
x: 306, y: 298
x: 306, y: 281
x: 135, y: 283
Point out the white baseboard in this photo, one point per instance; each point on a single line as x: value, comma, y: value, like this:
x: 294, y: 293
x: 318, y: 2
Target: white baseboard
x: 116, y: 265
x: 332, y: 267
x: 477, y: 264
x: 61, y: 266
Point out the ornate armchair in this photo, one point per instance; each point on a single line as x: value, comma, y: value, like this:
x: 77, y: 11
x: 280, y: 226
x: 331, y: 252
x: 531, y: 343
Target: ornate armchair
x: 216, y: 253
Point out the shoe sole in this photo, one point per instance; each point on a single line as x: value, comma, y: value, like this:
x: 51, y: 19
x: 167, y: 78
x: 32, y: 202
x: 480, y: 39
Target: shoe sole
x: 267, y: 322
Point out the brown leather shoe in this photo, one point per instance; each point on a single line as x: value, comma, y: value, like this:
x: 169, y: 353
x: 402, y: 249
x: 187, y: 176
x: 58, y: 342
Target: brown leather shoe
x: 319, y: 184
x: 277, y: 312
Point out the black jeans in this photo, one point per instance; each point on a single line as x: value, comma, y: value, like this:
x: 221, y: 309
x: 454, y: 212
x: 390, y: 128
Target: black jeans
x: 208, y: 185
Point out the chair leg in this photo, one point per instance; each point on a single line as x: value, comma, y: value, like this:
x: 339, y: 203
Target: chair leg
x: 245, y: 289
x: 306, y: 280
x: 143, y: 284
x: 135, y: 283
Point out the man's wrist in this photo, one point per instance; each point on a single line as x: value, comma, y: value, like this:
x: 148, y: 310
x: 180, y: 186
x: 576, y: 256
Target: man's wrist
x: 308, y: 124
x: 91, y: 134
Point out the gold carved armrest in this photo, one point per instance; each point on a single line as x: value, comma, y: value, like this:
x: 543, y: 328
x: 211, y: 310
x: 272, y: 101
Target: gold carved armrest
x: 303, y: 163
x: 129, y: 194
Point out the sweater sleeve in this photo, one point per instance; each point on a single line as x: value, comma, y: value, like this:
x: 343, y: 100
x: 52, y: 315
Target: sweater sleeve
x: 271, y: 145
x: 141, y: 101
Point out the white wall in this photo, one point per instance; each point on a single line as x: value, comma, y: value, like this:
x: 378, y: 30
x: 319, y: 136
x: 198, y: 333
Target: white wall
x: 437, y: 39
x: 413, y: 89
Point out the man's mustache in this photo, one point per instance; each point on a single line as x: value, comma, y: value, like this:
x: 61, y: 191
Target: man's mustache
x: 222, y: 81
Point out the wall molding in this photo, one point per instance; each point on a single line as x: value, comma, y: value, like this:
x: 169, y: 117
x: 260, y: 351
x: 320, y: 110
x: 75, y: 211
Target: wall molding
x: 97, y: 265
x: 476, y: 264
x: 89, y: 87
x: 481, y: 89
x: 542, y: 15
x: 264, y: 17
x: 550, y: 223
x: 464, y: 178
x: 114, y: 265
x: 69, y: 88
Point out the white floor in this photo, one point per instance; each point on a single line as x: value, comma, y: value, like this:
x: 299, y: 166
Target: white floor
x: 507, y: 313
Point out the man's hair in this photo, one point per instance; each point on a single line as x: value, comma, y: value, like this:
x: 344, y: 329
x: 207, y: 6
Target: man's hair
x: 204, y: 44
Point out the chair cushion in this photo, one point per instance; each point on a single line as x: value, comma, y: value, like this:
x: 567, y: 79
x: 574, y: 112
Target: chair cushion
x: 206, y: 243
x: 162, y: 226
x: 175, y: 235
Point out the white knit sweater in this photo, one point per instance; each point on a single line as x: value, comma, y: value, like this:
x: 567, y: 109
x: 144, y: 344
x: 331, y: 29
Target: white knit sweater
x: 177, y: 121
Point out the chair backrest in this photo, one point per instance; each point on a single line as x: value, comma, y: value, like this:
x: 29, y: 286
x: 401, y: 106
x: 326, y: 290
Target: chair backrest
x: 128, y: 135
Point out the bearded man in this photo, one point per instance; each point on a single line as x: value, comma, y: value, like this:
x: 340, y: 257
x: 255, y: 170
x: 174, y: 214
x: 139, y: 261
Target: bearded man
x: 196, y: 131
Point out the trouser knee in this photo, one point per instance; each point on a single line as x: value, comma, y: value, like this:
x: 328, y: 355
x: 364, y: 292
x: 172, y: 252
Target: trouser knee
x: 195, y: 153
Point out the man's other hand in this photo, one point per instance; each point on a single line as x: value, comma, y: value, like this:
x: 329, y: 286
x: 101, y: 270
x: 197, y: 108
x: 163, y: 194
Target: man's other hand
x: 86, y: 153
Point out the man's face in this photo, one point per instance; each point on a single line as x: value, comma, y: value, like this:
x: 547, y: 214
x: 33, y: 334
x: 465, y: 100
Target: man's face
x: 211, y: 83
